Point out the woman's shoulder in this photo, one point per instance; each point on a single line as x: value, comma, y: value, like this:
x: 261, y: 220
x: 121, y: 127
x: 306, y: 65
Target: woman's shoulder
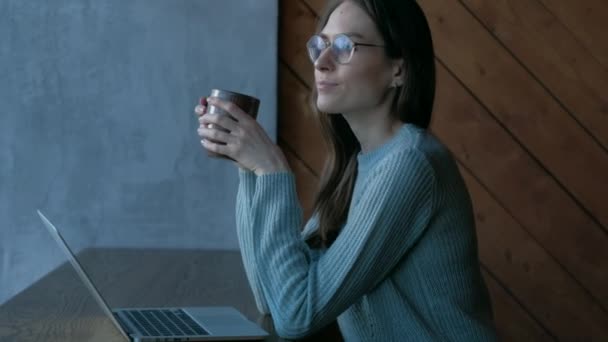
x: 406, y: 164
x: 424, y: 144
x: 416, y: 147
x: 418, y: 155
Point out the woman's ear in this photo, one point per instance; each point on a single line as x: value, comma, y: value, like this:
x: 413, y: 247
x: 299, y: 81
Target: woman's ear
x: 398, y: 73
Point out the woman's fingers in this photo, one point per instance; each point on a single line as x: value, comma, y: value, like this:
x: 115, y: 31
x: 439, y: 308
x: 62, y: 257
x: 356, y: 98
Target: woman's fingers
x: 215, y: 147
x: 200, y: 110
x: 215, y: 135
x: 201, y: 107
x: 223, y: 121
x: 226, y: 133
x: 237, y: 113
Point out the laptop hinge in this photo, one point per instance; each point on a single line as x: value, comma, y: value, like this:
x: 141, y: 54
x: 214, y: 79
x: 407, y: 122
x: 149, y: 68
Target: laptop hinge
x: 125, y: 324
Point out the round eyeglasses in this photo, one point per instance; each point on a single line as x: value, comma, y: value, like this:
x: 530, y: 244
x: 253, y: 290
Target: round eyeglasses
x: 342, y: 48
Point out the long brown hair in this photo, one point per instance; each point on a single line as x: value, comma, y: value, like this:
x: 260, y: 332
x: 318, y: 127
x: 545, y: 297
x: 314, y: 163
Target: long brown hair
x: 406, y: 35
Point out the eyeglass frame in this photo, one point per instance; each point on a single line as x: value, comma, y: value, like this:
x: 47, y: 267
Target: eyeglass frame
x: 329, y: 44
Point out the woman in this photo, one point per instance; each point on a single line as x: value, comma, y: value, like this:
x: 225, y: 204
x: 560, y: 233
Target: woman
x: 391, y: 250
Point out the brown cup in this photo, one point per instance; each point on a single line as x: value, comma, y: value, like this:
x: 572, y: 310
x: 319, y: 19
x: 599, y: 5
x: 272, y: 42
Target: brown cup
x: 248, y: 104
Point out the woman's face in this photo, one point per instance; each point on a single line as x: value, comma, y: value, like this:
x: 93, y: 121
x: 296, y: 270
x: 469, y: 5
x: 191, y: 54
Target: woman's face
x: 363, y: 83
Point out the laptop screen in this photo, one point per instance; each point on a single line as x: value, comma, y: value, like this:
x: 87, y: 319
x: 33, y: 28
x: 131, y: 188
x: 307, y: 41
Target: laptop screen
x: 81, y: 273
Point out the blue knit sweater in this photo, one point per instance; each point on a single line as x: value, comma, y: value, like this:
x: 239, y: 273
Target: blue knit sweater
x: 404, y: 266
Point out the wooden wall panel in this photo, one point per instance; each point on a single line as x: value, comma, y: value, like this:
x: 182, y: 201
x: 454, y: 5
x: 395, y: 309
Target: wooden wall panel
x: 546, y: 290
x: 531, y: 196
x: 300, y: 137
x: 521, y: 104
x: 296, y: 120
x: 541, y: 220
x: 515, y: 324
x: 296, y: 123
x: 587, y: 20
x: 296, y: 27
x: 569, y: 71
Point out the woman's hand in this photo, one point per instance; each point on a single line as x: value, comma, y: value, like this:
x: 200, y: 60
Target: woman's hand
x: 245, y: 141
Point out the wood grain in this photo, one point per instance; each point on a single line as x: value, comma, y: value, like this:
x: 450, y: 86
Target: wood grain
x: 316, y: 5
x: 514, y: 323
x: 295, y: 29
x: 553, y: 54
x: 532, y: 197
x: 587, y: 21
x: 297, y: 127
x: 531, y: 274
x: 521, y: 104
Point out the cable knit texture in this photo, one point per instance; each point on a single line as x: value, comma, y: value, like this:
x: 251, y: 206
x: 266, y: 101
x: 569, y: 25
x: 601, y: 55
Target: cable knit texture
x: 404, y: 266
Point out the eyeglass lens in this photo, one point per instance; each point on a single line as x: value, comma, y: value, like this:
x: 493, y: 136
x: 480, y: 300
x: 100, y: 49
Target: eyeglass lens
x: 341, y: 48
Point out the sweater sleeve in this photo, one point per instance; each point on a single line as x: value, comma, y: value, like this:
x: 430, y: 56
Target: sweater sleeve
x: 303, y: 293
x: 244, y: 197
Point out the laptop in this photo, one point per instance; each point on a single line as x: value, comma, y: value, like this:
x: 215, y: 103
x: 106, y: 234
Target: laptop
x: 167, y: 324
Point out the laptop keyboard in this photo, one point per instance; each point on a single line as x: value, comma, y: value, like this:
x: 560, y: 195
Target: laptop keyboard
x: 162, y: 322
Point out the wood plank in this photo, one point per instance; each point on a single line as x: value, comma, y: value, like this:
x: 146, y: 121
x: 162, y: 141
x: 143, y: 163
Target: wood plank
x: 554, y: 55
x: 536, y: 200
x: 296, y: 124
x: 295, y: 29
x: 549, y: 292
x: 587, y: 20
x: 521, y: 185
x: 520, y: 103
x: 317, y: 5
x: 506, y: 308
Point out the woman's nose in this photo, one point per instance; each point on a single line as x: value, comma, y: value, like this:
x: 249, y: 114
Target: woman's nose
x: 325, y: 60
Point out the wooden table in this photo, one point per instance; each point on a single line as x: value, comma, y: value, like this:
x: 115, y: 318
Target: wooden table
x: 59, y: 308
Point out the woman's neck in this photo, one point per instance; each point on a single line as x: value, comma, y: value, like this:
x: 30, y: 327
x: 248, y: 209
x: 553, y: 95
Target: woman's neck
x: 372, y: 129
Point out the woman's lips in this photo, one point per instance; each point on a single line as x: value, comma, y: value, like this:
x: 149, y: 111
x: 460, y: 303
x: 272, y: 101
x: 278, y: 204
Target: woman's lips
x: 326, y: 85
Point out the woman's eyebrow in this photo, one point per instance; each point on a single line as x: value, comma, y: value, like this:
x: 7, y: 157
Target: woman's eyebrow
x: 350, y: 34
x: 354, y: 34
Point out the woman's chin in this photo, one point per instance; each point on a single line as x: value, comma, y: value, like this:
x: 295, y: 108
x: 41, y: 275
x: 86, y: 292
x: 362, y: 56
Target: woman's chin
x: 327, y: 106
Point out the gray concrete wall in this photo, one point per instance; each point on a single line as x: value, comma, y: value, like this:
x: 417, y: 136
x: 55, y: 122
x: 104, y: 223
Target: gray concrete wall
x: 97, y: 126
